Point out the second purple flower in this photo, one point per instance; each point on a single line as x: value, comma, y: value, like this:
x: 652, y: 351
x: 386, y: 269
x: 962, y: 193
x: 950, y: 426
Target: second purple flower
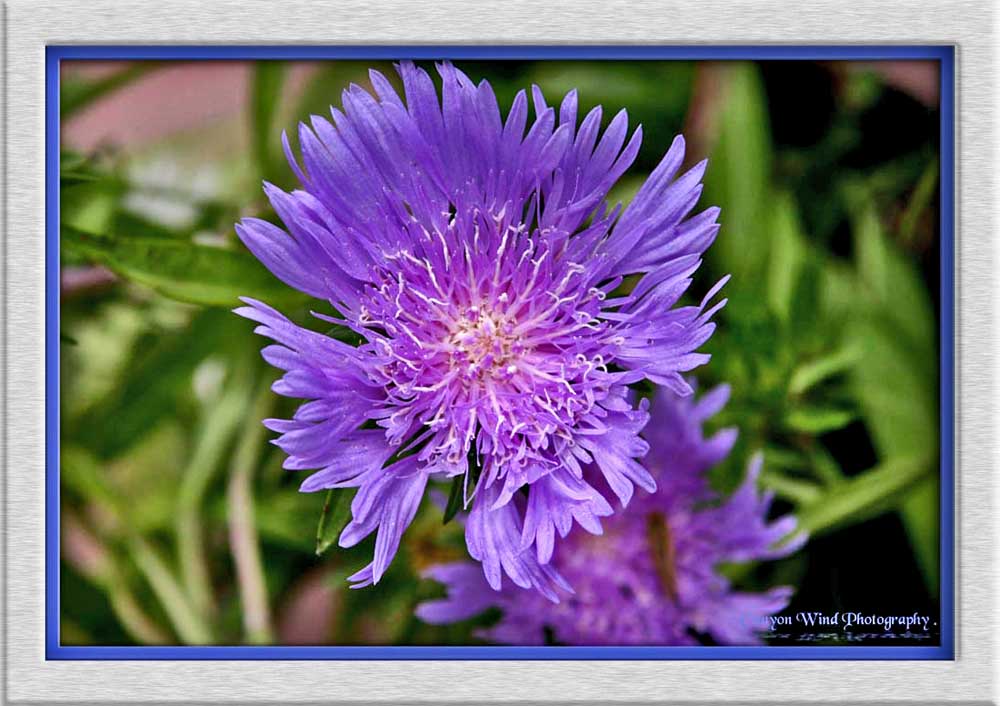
x: 480, y: 264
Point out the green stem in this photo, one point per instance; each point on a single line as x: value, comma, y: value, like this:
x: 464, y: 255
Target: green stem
x: 824, y: 465
x: 921, y: 198
x: 242, y: 530
x: 863, y: 497
x: 799, y: 492
x: 133, y: 618
x: 266, y: 86
x: 190, y: 626
x: 102, y: 568
x: 221, y: 421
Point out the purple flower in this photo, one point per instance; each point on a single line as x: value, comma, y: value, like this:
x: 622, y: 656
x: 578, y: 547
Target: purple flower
x: 479, y: 263
x: 652, y: 577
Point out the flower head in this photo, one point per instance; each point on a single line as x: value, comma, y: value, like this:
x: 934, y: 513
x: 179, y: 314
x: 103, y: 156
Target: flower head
x: 480, y: 265
x: 652, y: 577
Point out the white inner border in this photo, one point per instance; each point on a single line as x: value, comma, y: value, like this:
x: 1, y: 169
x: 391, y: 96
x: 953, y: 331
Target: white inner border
x: 30, y: 25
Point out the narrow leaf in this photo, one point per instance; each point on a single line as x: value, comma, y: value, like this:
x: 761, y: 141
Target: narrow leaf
x: 197, y: 274
x: 921, y: 515
x: 896, y: 380
x: 788, y: 249
x: 75, y: 168
x: 265, y: 95
x: 334, y: 518
x: 76, y: 93
x: 216, y: 430
x: 818, y: 420
x: 896, y: 390
x: 816, y: 371
x: 863, y: 497
x: 81, y: 472
x: 807, y: 300
x: 919, y: 202
x: 740, y: 173
x: 454, y: 499
x: 825, y: 466
x: 895, y: 283
x: 154, y: 385
x: 88, y: 205
x: 798, y: 491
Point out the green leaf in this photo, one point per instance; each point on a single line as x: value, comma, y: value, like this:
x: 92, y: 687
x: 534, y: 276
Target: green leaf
x: 664, y: 87
x: 655, y: 93
x: 336, y: 514
x: 816, y: 371
x: 921, y: 514
x: 807, y: 304
x: 863, y: 497
x: 81, y: 471
x: 895, y: 387
x: 75, y: 168
x: 818, y: 420
x: 825, y: 466
x: 197, y: 274
x: 77, y: 93
x: 739, y: 174
x: 798, y: 491
x: 919, y: 202
x: 781, y: 457
x: 89, y: 205
x: 454, y: 499
x: 70, y: 160
x: 863, y: 89
x: 788, y: 250
x: 897, y: 288
x: 217, y: 427
x: 895, y: 391
x: 155, y: 383
x: 244, y: 539
x: 896, y: 378
x: 839, y: 284
x: 265, y: 96
x: 138, y: 226
x: 282, y: 519
x: 190, y: 626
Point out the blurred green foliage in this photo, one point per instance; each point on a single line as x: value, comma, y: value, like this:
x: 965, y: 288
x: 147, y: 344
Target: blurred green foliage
x: 179, y: 524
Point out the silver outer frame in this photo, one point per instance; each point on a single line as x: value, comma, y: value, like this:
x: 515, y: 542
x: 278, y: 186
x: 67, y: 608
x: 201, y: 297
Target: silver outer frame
x: 30, y: 25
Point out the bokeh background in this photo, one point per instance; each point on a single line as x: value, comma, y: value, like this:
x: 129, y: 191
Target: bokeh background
x: 178, y: 523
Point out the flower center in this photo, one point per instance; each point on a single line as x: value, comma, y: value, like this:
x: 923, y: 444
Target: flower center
x: 483, y: 342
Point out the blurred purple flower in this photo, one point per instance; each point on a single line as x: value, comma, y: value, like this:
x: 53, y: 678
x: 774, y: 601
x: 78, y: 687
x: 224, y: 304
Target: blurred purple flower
x: 652, y: 578
x: 479, y: 264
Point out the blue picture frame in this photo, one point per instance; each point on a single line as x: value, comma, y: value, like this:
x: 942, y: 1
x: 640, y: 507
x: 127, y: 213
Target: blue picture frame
x: 945, y: 54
